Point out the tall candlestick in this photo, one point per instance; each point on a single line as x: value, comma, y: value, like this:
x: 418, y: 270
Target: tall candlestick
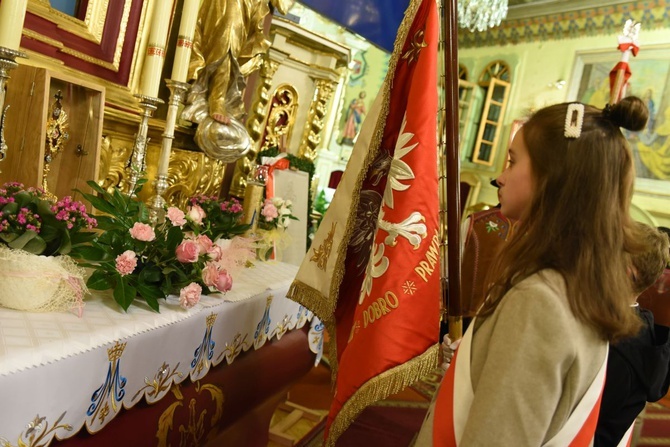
x: 155, y: 57
x: 182, y: 55
x: 12, y: 14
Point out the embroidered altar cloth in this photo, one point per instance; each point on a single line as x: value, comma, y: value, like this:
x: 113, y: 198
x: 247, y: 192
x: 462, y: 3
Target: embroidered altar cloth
x: 59, y: 373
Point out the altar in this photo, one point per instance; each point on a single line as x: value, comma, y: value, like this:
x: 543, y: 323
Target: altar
x: 208, y: 375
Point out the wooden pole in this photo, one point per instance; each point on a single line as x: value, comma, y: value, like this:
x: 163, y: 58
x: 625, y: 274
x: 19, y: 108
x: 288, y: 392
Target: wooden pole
x: 452, y: 170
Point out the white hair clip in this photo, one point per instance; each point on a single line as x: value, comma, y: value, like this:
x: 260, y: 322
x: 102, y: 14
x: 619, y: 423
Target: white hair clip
x: 574, y: 118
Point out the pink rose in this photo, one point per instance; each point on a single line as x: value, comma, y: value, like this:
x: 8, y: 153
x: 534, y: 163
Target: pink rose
x: 187, y: 251
x: 196, y: 214
x: 215, y: 253
x: 204, y: 242
x: 142, y: 232
x: 210, y: 274
x: 269, y: 210
x: 189, y: 296
x: 176, y: 216
x: 126, y: 262
x: 224, y: 282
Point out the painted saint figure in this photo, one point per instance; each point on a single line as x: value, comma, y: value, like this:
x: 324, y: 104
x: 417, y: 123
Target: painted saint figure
x: 353, y: 119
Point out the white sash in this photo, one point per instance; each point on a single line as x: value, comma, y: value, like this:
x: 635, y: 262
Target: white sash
x: 463, y: 396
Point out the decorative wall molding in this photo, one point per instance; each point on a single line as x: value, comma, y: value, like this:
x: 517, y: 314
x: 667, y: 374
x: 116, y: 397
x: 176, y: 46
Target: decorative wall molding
x: 596, y: 20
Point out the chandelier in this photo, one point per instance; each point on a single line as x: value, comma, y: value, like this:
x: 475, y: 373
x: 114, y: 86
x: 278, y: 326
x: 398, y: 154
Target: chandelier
x: 477, y: 15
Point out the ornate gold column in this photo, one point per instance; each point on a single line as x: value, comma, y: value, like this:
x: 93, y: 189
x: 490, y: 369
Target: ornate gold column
x: 255, y: 127
x: 315, y: 119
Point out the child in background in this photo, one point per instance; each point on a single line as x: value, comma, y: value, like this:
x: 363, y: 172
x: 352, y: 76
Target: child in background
x: 637, y: 367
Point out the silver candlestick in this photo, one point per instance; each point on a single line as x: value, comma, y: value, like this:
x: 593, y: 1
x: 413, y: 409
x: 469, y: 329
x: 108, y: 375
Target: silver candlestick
x: 7, y: 63
x: 137, y: 163
x: 157, y: 203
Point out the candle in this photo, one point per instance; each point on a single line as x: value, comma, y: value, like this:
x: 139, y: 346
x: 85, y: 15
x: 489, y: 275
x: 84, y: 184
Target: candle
x: 12, y: 13
x: 153, y: 61
x: 182, y: 56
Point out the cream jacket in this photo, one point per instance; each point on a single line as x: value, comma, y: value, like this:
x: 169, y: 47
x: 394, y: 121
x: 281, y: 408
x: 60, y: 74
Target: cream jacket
x: 531, y: 363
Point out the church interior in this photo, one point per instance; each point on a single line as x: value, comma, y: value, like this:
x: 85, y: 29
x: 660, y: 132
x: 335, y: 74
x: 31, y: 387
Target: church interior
x: 175, y: 103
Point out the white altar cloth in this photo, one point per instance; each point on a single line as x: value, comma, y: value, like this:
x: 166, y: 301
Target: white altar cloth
x: 59, y: 372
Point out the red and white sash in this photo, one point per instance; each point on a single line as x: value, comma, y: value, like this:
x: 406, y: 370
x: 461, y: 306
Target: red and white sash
x: 453, y: 404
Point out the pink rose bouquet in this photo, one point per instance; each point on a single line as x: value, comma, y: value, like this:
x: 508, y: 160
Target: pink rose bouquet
x: 180, y: 256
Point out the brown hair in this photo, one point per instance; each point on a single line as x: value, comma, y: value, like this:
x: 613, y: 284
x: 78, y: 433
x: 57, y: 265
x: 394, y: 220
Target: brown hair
x: 649, y: 265
x: 578, y: 222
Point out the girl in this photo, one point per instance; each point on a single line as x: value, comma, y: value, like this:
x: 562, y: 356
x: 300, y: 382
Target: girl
x: 530, y: 369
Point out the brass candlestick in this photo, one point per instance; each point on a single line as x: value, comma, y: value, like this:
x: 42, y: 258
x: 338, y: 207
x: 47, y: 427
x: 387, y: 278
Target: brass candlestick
x: 137, y: 163
x: 157, y: 203
x: 7, y: 63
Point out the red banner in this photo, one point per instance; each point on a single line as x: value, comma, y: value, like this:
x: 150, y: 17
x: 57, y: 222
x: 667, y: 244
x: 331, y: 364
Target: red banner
x: 387, y: 314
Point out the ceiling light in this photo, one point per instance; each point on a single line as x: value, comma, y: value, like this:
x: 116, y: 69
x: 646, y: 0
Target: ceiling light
x: 478, y: 15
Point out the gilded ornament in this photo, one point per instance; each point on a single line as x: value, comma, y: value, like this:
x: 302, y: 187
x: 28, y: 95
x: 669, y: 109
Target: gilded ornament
x: 57, y: 136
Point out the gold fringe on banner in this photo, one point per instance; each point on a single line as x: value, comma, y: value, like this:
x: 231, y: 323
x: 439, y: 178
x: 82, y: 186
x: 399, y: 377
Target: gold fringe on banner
x: 380, y: 387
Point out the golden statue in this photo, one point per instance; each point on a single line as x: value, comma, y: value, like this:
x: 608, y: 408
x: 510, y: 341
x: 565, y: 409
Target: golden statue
x: 228, y: 45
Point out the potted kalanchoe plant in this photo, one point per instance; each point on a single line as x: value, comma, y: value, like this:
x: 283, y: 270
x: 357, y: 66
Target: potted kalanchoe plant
x: 185, y: 255
x: 36, y: 237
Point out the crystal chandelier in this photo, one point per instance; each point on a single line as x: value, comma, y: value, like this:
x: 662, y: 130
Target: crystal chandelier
x: 477, y: 15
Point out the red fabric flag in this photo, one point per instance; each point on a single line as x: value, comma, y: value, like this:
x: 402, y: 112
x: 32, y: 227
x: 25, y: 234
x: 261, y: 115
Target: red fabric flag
x: 373, y: 271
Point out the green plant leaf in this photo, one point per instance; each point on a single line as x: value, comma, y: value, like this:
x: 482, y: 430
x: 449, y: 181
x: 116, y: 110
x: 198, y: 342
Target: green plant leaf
x: 151, y: 274
x: 174, y: 238
x: 93, y: 253
x: 124, y: 293
x: 35, y: 246
x: 22, y: 240
x: 151, y: 294
x: 100, y: 280
x: 100, y: 204
x: 65, y: 243
x: 10, y: 208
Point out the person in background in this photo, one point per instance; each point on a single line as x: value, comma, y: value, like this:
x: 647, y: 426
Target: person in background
x: 638, y: 367
x: 530, y: 369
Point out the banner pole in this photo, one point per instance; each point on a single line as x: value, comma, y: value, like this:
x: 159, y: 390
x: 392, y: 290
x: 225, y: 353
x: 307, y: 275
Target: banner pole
x: 450, y: 215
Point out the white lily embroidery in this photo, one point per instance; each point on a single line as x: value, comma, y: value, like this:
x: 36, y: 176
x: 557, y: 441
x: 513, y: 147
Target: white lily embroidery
x: 411, y: 229
x: 399, y: 169
x: 377, y: 266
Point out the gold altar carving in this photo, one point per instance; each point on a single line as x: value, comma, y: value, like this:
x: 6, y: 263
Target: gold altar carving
x: 255, y: 123
x: 281, y: 116
x: 195, y: 432
x: 189, y: 172
x: 315, y: 119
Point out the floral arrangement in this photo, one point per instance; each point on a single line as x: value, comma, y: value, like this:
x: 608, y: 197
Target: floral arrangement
x: 183, y: 255
x: 31, y: 222
x: 276, y: 215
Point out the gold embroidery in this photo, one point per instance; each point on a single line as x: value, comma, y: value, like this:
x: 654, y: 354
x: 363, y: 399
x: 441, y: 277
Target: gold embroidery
x: 231, y: 351
x: 194, y: 433
x: 161, y: 381
x: 322, y: 253
x: 115, y: 353
x: 37, y: 431
x: 415, y: 47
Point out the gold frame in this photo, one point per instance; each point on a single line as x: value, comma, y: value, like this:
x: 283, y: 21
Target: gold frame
x: 90, y: 29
